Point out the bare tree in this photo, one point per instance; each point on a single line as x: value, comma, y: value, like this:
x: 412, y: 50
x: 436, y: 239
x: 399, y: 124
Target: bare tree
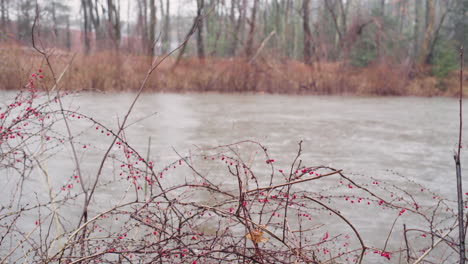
x: 232, y: 21
x: 86, y: 27
x: 436, y: 35
x: 142, y: 24
x: 336, y: 10
x: 68, y: 34
x: 252, y: 24
x: 287, y: 8
x: 24, y: 21
x: 57, y: 13
x: 197, y: 22
x: 200, y: 44
x: 113, y: 20
x: 95, y: 17
x: 54, y: 18
x: 4, y: 7
x: 166, y: 30
x: 307, y: 33
x: 429, y: 27
x: 382, y: 8
x: 402, y: 12
x: 239, y: 7
x: 152, y: 28
x: 416, y: 28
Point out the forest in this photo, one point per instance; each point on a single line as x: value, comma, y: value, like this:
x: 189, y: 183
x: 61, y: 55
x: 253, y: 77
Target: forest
x: 379, y: 47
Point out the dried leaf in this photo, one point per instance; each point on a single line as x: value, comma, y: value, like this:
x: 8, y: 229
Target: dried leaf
x: 256, y: 236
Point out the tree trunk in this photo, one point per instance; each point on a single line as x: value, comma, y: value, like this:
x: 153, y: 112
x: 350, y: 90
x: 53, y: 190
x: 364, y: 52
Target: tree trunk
x: 436, y: 36
x: 200, y: 45
x: 166, y: 31
x: 417, y: 12
x: 54, y: 19
x: 86, y: 25
x: 382, y: 8
x: 193, y: 29
x: 94, y: 17
x: 278, y: 25
x: 344, y: 15
x: 144, y: 25
x: 460, y: 21
x: 331, y: 7
x: 3, y: 10
x: 307, y: 34
x: 68, y: 35
x: 429, y: 27
x: 117, y: 24
x: 233, y: 35
x: 426, y: 16
x: 250, y: 38
x: 402, y: 10
x: 215, y: 31
x: 152, y: 28
x: 113, y: 20
x: 129, y: 41
x: 239, y: 25
x: 381, y: 29
x: 287, y: 4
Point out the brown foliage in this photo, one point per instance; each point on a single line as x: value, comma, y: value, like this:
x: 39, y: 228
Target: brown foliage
x: 110, y: 71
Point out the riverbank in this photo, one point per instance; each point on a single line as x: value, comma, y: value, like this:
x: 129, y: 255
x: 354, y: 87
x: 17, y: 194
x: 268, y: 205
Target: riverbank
x: 110, y: 72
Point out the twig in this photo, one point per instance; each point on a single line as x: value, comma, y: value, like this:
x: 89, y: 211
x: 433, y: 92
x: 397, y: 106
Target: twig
x: 363, y: 246
x: 262, y: 46
x: 293, y: 182
x: 20, y: 243
x: 421, y: 258
x: 76, y: 231
x: 461, y: 226
x: 408, y: 256
x: 390, y: 233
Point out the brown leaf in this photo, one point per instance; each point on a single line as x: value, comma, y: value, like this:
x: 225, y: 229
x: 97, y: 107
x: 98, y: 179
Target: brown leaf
x: 256, y: 236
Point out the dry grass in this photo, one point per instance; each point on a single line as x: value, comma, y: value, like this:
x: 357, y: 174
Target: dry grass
x: 109, y: 71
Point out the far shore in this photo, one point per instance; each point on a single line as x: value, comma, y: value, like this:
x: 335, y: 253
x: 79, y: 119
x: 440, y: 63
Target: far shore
x: 111, y: 72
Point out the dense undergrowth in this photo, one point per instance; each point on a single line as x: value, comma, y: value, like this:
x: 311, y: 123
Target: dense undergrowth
x: 112, y: 72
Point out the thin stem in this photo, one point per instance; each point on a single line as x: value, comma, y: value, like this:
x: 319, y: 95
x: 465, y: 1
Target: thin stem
x: 363, y: 246
x: 461, y: 226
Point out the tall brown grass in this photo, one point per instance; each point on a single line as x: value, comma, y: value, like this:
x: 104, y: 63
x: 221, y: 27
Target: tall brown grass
x: 111, y: 71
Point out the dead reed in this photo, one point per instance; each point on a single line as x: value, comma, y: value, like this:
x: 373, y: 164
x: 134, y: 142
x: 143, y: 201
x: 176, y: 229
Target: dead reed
x: 113, y: 72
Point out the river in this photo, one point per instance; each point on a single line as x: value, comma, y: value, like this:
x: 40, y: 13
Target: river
x: 415, y: 137
x: 377, y: 137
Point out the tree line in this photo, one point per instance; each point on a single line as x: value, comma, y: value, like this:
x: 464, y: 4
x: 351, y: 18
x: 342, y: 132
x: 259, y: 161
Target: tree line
x: 358, y: 32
